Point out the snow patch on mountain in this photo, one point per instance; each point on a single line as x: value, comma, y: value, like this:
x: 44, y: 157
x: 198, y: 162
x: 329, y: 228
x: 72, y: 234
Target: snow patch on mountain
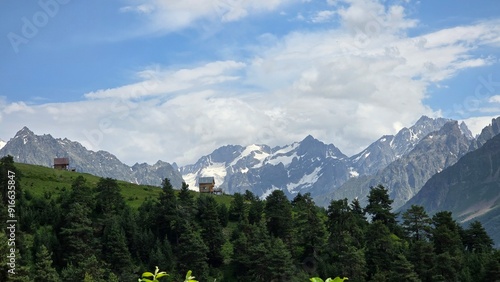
x: 190, y: 180
x: 306, y: 181
x: 353, y: 173
x: 2, y: 143
x: 268, y: 192
x: 284, y: 159
x: 254, y: 151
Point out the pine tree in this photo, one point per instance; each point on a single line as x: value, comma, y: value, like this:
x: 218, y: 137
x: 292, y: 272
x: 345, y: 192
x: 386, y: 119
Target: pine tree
x: 310, y: 232
x: 4, y: 260
x: 109, y: 200
x: 237, y: 210
x: 421, y: 255
x: 161, y: 255
x: 278, y: 212
x: 280, y: 264
x: 128, y: 221
x: 447, y: 267
x: 379, y: 207
x: 446, y: 233
x: 211, y: 230
x: 80, y: 193
x: 380, y: 249
x: 167, y: 215
x: 255, y: 211
x: 90, y: 269
x: 416, y: 223
x: 477, y: 239
x: 192, y: 252
x: 146, y: 241
x: 448, y: 247
x: 252, y: 253
x: 9, y: 175
x: 23, y: 270
x: 492, y: 268
x: 240, y: 260
x: 115, y: 251
x: 77, y: 234
x: 223, y: 215
x: 186, y: 201
x: 352, y: 264
x: 402, y: 270
x: 339, y: 216
x: 44, y: 271
x: 358, y: 228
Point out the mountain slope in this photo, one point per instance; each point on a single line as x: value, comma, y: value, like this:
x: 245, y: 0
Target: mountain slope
x: 389, y: 148
x: 470, y: 188
x: 26, y: 147
x: 405, y: 176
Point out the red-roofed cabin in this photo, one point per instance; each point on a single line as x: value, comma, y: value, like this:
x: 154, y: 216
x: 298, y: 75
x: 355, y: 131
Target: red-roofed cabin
x: 61, y: 163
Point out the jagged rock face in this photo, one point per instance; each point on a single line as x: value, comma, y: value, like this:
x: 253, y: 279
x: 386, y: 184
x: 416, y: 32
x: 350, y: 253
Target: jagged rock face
x: 155, y: 174
x: 306, y: 166
x: 486, y: 134
x: 469, y: 189
x: 391, y: 147
x: 406, y: 176
x: 26, y: 147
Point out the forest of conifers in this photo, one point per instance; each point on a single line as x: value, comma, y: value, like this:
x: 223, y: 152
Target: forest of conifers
x: 89, y: 233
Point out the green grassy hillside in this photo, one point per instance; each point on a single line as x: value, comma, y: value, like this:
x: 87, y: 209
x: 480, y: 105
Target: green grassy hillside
x: 39, y: 180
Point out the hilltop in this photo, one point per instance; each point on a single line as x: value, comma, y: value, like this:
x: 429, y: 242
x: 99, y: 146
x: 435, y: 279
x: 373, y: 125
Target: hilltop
x: 38, y: 180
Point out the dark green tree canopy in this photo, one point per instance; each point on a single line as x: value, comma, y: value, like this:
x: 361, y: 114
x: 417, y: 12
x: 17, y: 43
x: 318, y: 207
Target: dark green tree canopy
x: 379, y: 205
x: 278, y: 212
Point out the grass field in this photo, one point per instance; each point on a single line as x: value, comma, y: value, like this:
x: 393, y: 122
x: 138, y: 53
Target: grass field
x: 39, y: 180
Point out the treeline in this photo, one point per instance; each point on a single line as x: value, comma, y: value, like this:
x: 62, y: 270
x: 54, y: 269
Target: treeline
x: 91, y: 234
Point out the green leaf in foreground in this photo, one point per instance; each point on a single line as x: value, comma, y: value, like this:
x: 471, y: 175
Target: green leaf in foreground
x: 336, y: 279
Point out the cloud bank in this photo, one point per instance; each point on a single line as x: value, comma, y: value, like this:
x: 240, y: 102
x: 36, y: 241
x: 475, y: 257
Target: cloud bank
x: 345, y: 85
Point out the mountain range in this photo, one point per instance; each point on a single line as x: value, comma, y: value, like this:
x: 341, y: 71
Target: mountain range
x: 26, y: 147
x: 407, y: 174
x: 403, y: 162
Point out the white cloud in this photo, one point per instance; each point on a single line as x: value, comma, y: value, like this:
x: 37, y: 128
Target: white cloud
x: 346, y: 86
x: 494, y: 99
x: 476, y: 124
x: 323, y: 16
x: 17, y: 107
x: 158, y: 82
x: 168, y: 16
x: 371, y: 17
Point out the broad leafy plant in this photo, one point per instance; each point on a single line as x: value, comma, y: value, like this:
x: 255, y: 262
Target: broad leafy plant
x: 336, y: 279
x: 153, y: 277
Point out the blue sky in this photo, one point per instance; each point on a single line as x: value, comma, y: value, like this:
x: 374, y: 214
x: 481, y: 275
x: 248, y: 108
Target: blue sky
x: 173, y: 80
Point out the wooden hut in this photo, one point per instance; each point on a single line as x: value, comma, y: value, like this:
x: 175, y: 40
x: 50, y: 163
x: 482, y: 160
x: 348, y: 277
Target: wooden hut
x: 61, y: 163
x: 206, y: 184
